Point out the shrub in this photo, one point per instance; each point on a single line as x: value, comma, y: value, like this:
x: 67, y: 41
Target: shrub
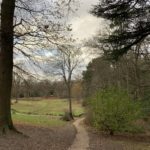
x: 146, y: 107
x: 112, y: 110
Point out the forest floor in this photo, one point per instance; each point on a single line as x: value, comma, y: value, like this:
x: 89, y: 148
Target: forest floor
x: 101, y: 141
x: 89, y: 139
x: 39, y: 138
x: 76, y: 136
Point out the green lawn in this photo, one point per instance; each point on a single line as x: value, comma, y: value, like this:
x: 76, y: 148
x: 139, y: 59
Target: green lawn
x: 44, y: 121
x: 40, y: 112
x: 55, y: 107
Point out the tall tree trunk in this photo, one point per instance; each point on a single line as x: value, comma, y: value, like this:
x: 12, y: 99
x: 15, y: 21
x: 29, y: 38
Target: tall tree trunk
x: 137, y: 73
x: 6, y: 63
x: 70, y: 101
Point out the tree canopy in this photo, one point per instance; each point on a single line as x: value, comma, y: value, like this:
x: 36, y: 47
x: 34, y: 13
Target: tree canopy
x: 130, y: 23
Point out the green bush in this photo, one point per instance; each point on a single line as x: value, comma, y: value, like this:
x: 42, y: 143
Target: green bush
x: 112, y: 110
x: 146, y: 109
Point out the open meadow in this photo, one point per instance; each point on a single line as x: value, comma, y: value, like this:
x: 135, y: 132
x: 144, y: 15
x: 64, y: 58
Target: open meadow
x: 43, y: 112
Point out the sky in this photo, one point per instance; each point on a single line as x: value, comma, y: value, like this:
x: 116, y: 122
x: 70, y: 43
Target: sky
x: 85, y: 25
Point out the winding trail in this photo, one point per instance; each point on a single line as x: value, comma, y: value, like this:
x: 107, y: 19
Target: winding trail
x: 81, y: 141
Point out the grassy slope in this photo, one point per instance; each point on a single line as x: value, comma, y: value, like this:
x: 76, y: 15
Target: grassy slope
x: 43, y: 121
x: 43, y: 107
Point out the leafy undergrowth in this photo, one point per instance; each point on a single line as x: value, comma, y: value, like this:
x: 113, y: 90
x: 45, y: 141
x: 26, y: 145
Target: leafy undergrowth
x: 112, y: 110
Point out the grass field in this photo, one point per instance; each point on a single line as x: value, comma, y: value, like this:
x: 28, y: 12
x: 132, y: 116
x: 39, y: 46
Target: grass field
x: 42, y: 121
x: 43, y: 112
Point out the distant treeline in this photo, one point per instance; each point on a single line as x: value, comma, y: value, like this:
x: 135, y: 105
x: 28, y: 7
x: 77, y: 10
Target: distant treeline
x: 44, y: 88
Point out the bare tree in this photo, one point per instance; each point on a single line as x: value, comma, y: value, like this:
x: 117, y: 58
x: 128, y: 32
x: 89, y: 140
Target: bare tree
x: 64, y: 63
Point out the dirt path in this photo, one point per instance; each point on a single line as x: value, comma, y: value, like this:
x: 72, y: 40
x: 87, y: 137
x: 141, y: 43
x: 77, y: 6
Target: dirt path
x: 81, y: 141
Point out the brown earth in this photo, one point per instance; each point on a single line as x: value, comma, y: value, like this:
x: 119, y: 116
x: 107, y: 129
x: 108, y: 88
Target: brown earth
x: 38, y: 138
x: 63, y: 138
x: 81, y: 141
x: 99, y: 141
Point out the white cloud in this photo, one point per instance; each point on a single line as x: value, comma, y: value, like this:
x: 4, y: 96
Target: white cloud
x: 84, y: 24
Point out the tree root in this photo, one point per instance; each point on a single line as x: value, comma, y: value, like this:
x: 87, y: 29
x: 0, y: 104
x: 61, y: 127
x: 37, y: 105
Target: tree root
x: 12, y: 129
